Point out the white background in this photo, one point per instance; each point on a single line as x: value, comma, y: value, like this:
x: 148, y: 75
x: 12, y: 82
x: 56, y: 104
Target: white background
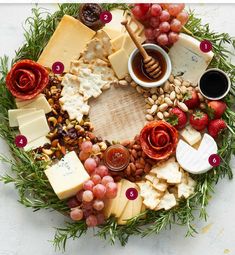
x: 23, y: 232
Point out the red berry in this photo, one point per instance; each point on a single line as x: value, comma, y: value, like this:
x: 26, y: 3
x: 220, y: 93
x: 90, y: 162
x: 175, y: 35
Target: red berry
x: 178, y: 118
x: 156, y: 10
x: 191, y: 99
x: 216, y: 109
x: 215, y: 127
x: 199, y: 120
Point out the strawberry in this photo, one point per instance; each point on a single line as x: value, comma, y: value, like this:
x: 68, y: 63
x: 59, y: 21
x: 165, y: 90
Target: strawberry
x: 177, y: 118
x: 199, y: 120
x: 191, y: 99
x: 216, y: 109
x: 216, y: 126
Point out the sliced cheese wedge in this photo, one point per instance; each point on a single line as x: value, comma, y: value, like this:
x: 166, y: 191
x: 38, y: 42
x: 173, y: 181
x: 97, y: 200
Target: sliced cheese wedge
x: 126, y: 214
x: 196, y: 161
x: 25, y: 118
x: 21, y: 103
x: 36, y: 143
x: 40, y: 103
x: 15, y: 113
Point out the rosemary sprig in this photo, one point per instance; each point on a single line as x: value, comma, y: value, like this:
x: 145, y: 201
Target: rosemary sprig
x: 28, y: 174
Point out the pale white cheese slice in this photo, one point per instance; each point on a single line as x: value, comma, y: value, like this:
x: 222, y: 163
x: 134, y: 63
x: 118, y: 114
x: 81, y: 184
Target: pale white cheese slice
x: 36, y: 143
x: 15, y: 113
x: 191, y: 135
x: 187, y: 58
x: 196, y: 161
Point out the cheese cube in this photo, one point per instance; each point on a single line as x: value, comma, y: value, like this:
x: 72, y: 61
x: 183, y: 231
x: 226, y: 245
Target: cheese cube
x: 15, y: 113
x: 67, y: 43
x: 117, y: 42
x: 119, y: 63
x: 128, y: 45
x: 25, y: 118
x: 187, y: 58
x: 36, y: 143
x: 21, y: 103
x: 40, y: 103
x: 67, y: 176
x: 35, y: 129
x: 191, y: 135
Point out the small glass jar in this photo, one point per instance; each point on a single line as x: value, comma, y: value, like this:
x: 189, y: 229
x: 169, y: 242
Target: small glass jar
x: 116, y: 157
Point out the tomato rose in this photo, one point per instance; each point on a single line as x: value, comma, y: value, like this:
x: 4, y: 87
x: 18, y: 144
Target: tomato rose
x: 158, y: 139
x: 27, y: 79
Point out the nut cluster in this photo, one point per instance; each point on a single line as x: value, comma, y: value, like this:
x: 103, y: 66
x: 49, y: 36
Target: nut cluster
x: 160, y: 100
x: 140, y: 164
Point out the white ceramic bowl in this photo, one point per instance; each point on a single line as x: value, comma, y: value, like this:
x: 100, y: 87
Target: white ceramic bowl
x: 226, y: 92
x: 155, y: 83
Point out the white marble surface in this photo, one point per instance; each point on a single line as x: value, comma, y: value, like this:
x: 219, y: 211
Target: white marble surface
x: 23, y: 232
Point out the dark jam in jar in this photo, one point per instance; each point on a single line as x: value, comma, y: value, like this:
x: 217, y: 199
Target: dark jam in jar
x: 116, y: 157
x: 214, y: 84
x: 139, y: 69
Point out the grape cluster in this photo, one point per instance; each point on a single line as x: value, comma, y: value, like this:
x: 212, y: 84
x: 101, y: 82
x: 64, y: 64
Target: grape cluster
x: 89, y: 201
x: 162, y: 22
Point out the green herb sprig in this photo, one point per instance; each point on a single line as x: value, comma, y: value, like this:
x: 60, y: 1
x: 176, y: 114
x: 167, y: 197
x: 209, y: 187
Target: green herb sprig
x: 28, y: 174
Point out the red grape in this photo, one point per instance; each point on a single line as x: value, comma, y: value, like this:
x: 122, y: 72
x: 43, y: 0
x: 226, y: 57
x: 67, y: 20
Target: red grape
x: 87, y: 213
x: 149, y: 33
x: 87, y: 196
x: 86, y: 146
x: 83, y: 155
x: 144, y: 7
x: 98, y: 205
x: 107, y: 179
x: 76, y: 214
x: 111, y: 190
x: 156, y: 32
x: 174, y: 9
x: 95, y: 148
x: 162, y: 39
x: 99, y: 191
x: 154, y: 22
x: 97, y: 160
x: 156, y: 10
x: 87, y: 205
x: 176, y: 25
x: 102, y: 171
x: 183, y: 17
x: 173, y: 37
x: 100, y: 218
x: 96, y: 179
x: 90, y: 165
x: 164, y: 27
x: 165, y: 16
x: 91, y: 221
x: 79, y: 195
x: 88, y: 185
x: 181, y: 7
x: 137, y: 12
x: 73, y: 202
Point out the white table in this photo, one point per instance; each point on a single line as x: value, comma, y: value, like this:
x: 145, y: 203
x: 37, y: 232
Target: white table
x: 23, y: 232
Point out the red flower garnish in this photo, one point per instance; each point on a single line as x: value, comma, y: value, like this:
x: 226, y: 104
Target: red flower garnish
x: 27, y: 79
x: 158, y: 139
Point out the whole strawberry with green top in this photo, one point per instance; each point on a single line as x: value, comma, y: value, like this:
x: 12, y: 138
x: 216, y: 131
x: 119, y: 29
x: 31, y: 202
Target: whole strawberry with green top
x: 177, y: 118
x: 199, y: 120
x: 191, y: 99
x: 216, y: 127
x: 216, y: 109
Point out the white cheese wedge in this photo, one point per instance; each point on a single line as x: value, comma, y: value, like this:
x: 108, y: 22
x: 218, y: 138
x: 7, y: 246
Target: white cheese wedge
x: 35, y: 129
x: 119, y: 63
x: 67, y: 176
x: 25, y: 118
x: 187, y: 58
x: 191, y: 135
x: 36, y: 143
x: 40, y: 103
x: 126, y: 214
x: 196, y: 161
x: 117, y: 42
x: 15, y: 113
x: 67, y: 43
x: 21, y: 103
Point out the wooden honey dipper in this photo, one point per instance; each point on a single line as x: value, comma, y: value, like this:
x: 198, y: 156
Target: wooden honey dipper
x: 151, y: 65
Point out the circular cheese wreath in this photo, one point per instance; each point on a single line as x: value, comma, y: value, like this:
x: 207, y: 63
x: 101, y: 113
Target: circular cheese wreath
x: 34, y: 182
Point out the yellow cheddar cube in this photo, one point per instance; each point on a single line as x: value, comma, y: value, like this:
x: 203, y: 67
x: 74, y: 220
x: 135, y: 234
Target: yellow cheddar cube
x: 67, y: 176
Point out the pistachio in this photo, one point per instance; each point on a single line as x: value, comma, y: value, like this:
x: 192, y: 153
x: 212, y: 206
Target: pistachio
x: 183, y: 89
x: 166, y: 114
x: 182, y: 106
x: 171, y: 78
x: 133, y: 84
x: 150, y: 100
x: 153, y: 90
x: 139, y: 89
x: 163, y: 107
x: 186, y: 83
x: 153, y: 109
x: 160, y: 115
x: 177, y: 82
x: 177, y: 90
x: 123, y: 83
x: 154, y: 97
x: 161, y: 91
x: 166, y: 86
x: 148, y: 117
x: 147, y: 106
x: 103, y: 146
x: 172, y: 95
x: 168, y: 101
x: 128, y: 78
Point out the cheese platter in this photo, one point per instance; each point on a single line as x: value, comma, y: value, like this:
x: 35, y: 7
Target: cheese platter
x: 107, y: 151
